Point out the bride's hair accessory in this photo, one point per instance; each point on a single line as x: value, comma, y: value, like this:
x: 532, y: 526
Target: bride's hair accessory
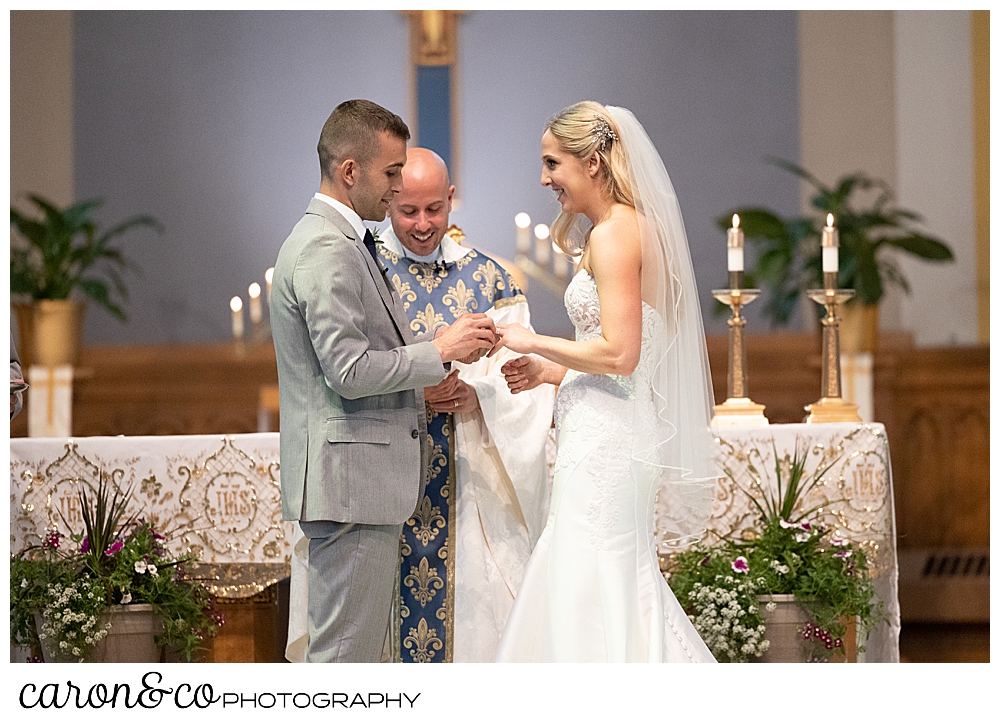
x: 601, y: 131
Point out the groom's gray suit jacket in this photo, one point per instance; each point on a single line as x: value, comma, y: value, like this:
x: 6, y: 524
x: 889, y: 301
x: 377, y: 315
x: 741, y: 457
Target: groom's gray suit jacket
x: 351, y: 378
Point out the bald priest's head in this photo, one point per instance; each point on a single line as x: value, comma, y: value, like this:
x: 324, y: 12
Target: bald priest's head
x: 420, y: 211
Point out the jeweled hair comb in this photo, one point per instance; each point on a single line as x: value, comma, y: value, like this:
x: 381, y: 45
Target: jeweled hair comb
x: 601, y: 131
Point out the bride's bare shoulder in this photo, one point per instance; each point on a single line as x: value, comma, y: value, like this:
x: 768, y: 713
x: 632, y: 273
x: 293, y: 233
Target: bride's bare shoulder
x: 619, y: 231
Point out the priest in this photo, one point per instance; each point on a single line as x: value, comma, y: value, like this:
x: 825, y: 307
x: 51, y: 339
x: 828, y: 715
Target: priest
x: 463, y: 552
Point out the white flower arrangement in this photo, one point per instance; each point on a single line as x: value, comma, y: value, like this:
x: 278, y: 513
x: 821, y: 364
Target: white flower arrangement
x: 728, y: 620
x: 72, y: 604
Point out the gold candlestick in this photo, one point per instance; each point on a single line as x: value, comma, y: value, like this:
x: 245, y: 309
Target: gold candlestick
x: 738, y: 410
x: 831, y: 407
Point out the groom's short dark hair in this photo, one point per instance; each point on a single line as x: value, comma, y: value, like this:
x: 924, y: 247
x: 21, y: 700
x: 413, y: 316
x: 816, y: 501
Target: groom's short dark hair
x: 352, y: 131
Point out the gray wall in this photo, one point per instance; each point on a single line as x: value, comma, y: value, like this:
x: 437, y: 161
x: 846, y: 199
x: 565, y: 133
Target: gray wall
x: 209, y: 122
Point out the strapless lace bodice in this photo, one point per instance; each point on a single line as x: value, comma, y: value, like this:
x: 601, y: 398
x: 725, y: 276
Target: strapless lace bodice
x: 584, y: 309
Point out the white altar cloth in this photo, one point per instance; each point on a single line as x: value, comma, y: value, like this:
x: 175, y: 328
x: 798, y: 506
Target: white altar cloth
x: 856, y: 496
x: 219, y: 497
x: 212, y: 495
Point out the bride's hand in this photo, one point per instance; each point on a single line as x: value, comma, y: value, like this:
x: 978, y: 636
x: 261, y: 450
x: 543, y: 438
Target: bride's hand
x: 523, y: 373
x: 514, y: 337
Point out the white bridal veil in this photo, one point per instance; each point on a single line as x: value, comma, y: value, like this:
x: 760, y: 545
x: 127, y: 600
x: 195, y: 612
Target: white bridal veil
x: 682, y: 390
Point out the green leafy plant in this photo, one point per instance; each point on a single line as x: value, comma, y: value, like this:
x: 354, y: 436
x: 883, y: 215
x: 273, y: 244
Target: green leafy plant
x: 70, y: 582
x: 787, y: 552
x: 789, y: 259
x: 63, y: 250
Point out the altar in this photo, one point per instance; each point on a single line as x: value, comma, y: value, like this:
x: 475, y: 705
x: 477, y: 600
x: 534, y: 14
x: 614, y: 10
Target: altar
x: 855, y: 497
x: 218, y: 497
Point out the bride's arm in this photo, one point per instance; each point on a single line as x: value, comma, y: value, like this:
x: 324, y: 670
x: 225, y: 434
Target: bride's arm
x: 615, y: 259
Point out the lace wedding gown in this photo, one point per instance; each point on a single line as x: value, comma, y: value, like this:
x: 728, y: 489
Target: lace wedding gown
x: 592, y: 590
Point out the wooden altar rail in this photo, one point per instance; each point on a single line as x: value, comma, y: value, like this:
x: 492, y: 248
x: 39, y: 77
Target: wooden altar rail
x: 934, y: 404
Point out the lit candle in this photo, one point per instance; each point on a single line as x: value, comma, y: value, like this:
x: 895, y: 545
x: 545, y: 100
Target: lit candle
x: 830, y: 242
x: 268, y: 277
x: 236, y: 304
x: 542, y: 245
x: 254, y: 292
x: 560, y: 263
x: 523, y: 222
x: 734, y: 246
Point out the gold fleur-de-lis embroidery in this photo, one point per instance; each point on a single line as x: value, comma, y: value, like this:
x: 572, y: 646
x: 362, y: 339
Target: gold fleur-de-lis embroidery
x: 427, y: 276
x: 406, y: 294
x: 427, y: 320
x: 462, y: 298
x: 426, y: 521
x: 492, y: 279
x: 423, y: 582
x: 512, y: 285
x: 391, y: 255
x: 465, y: 260
x: 422, y: 642
x: 436, y: 463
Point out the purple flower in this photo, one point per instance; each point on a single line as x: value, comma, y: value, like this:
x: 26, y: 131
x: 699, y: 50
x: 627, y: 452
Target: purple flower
x: 843, y: 554
x: 85, y: 545
x: 708, y: 559
x: 805, y: 526
x: 740, y: 565
x: 786, y: 525
x: 115, y: 547
x: 52, y: 539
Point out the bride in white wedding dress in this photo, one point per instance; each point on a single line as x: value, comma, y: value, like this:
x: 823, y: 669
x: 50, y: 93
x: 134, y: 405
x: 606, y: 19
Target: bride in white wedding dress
x: 633, y: 409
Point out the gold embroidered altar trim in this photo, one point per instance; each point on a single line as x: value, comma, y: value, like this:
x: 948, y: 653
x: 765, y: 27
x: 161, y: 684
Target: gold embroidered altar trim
x: 854, y: 497
x: 217, y: 498
x: 235, y: 580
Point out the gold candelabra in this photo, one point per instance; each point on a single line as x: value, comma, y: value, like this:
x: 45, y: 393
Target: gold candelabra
x: 738, y: 409
x: 831, y: 406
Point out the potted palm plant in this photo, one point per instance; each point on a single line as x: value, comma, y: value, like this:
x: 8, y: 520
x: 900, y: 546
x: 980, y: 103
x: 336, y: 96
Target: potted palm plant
x: 789, y: 259
x: 51, y: 258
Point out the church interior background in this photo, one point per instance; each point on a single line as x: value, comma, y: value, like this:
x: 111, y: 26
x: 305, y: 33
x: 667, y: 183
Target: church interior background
x: 207, y: 121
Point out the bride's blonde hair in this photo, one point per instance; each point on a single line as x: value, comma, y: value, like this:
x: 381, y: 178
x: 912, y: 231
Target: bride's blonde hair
x: 585, y: 129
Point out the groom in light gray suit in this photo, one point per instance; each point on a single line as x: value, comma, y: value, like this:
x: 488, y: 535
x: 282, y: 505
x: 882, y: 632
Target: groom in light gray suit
x: 351, y: 378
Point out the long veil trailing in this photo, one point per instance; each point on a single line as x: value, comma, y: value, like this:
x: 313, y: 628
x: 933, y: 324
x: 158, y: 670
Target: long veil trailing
x: 681, y: 381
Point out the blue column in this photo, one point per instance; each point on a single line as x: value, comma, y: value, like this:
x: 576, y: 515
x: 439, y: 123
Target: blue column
x: 434, y: 109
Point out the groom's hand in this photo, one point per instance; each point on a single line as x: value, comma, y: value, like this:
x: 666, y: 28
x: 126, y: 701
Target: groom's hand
x: 471, y: 336
x: 451, y: 395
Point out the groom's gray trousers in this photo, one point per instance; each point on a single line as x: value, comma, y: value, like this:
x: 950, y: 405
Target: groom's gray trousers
x: 352, y: 573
